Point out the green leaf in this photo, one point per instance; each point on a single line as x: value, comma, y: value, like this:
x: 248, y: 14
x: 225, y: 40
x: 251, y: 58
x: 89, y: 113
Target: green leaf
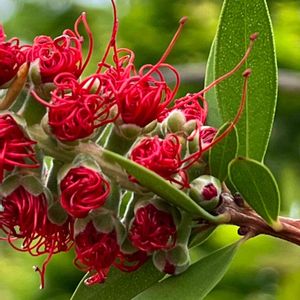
x: 223, y: 153
x: 196, y: 282
x: 213, y: 116
x: 240, y: 19
x: 199, y: 238
x: 119, y: 285
x: 257, y: 186
x: 158, y: 185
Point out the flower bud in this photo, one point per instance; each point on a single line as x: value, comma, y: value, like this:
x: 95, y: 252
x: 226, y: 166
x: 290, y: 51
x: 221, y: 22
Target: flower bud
x: 205, y: 190
x: 129, y: 131
x: 173, y: 261
x: 174, y: 122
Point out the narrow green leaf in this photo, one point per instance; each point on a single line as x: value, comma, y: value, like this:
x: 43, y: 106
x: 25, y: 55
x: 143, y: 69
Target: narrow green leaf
x: 199, y: 238
x: 196, y: 282
x: 119, y: 285
x: 239, y: 19
x: 158, y: 185
x: 213, y: 117
x: 258, y: 187
x: 223, y: 153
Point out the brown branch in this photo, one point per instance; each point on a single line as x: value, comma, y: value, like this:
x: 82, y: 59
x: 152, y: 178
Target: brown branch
x: 250, y: 223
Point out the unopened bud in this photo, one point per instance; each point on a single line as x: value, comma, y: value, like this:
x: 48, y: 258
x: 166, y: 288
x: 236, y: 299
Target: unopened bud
x: 206, y: 190
x: 175, y: 121
x: 130, y: 131
x: 173, y: 261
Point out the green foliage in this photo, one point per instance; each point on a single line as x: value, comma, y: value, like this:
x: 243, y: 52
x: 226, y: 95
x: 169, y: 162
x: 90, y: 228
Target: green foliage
x: 197, y: 281
x: 238, y: 21
x: 120, y: 285
x: 213, y: 117
x: 258, y: 187
x: 222, y: 153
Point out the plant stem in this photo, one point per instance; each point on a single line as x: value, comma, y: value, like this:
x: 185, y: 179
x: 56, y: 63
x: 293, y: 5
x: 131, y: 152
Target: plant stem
x: 250, y: 223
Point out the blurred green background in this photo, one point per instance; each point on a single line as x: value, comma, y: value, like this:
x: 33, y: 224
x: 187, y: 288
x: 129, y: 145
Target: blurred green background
x: 264, y: 268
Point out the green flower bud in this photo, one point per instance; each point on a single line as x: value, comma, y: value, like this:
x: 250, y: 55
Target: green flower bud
x: 173, y: 261
x: 174, y: 122
x: 206, y: 190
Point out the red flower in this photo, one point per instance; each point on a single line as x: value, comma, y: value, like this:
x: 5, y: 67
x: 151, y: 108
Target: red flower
x: 23, y: 216
x: 11, y: 58
x: 82, y: 190
x: 16, y: 147
x: 152, y: 229
x: 77, y: 109
x: 63, y: 54
x: 142, y: 98
x: 162, y: 156
x: 96, y: 251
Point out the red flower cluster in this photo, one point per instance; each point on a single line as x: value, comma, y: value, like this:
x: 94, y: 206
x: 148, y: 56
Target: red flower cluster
x: 16, y: 148
x: 11, y: 58
x: 83, y: 190
x: 118, y: 93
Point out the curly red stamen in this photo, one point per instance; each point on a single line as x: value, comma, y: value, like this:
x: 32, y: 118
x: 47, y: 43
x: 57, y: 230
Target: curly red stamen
x: 141, y: 101
x: 83, y: 190
x: 190, y: 107
x: 162, y: 156
x: 152, y: 229
x: 143, y: 97
x: 24, y: 217
x: 95, y: 252
x: 63, y: 54
x: 11, y: 58
x: 16, y: 147
x: 77, y: 109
